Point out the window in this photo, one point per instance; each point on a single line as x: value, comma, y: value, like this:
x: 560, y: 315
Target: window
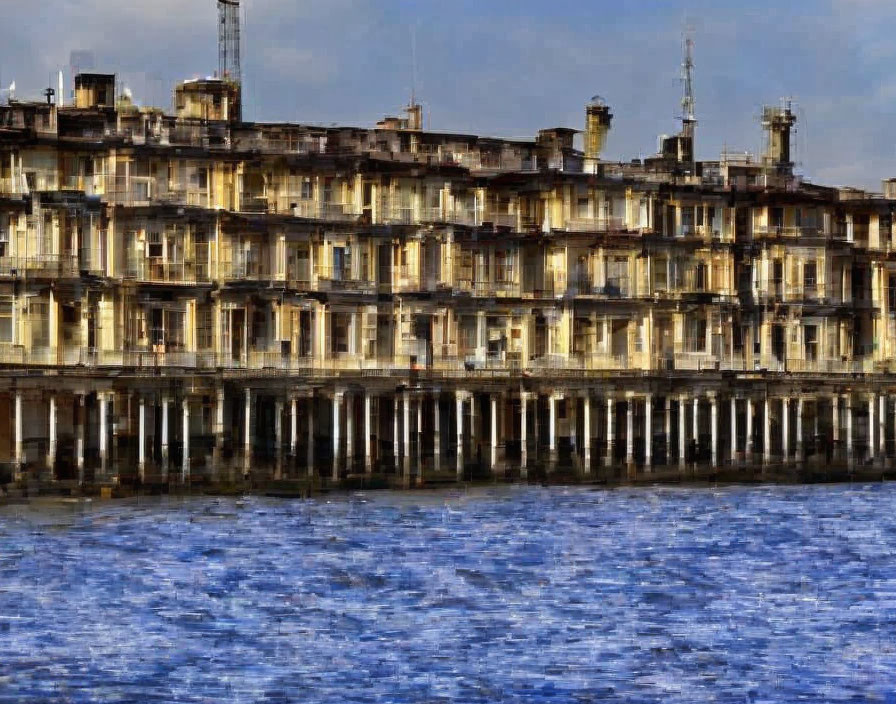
x: 6, y: 329
x: 700, y: 277
x: 154, y: 244
x: 660, y: 275
x: 809, y: 281
x: 617, y: 276
x: 306, y: 188
x: 687, y: 221
x: 810, y: 333
x: 340, y: 332
x: 469, y: 335
x: 696, y: 333
x: 582, y: 208
x: 776, y: 218
x: 583, y: 335
x: 342, y: 263
x: 204, y: 326
x: 504, y: 267
x: 39, y: 315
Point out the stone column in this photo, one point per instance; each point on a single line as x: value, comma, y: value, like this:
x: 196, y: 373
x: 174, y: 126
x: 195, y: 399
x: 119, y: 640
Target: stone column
x: 104, y: 430
x: 682, y: 430
x: 278, y: 432
x: 368, y: 432
x: 749, y: 429
x: 396, y: 438
x: 406, y: 465
x: 733, y: 430
x: 494, y: 433
x: 185, y: 459
x: 19, y: 441
x: 419, y: 436
x: 586, y: 432
x: 871, y: 426
x: 436, y: 433
x: 247, y: 439
x: 337, y: 408
x: 767, y: 432
x: 835, y: 424
x: 552, y: 427
x: 349, y: 432
x: 849, y: 454
x: 165, y: 432
x: 524, y: 441
x: 219, y: 421
x: 696, y: 423
x: 714, y: 430
x: 459, y: 411
x: 629, y: 429
x: 474, y: 431
x: 311, y: 454
x: 667, y: 427
x: 882, y: 427
x: 141, y: 437
x: 648, y: 430
x: 80, y: 421
x: 611, y: 429
x: 51, y: 454
x: 800, y: 404
x: 293, y: 426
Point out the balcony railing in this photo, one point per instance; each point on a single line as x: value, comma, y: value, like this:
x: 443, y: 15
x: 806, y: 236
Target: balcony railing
x: 330, y: 279
x: 447, y: 359
x: 609, y: 224
x: 774, y: 231
x: 50, y: 265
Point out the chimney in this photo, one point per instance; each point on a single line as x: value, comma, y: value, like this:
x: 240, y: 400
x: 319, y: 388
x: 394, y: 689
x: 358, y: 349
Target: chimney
x: 889, y: 185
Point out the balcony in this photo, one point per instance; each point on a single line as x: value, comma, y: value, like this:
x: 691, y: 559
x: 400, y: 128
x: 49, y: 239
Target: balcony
x: 510, y: 220
x: 42, y: 265
x: 250, y: 203
x: 244, y: 269
x: 90, y: 186
x: 7, y: 188
x: 338, y: 279
x: 457, y: 216
x: 397, y: 215
x: 609, y: 224
x: 774, y: 232
x: 487, y: 289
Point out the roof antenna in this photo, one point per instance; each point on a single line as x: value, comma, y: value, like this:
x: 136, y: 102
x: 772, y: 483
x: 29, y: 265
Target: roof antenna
x: 688, y: 105
x: 229, y: 64
x: 414, y: 109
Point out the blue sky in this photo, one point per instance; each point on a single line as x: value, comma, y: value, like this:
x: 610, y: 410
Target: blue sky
x: 510, y: 67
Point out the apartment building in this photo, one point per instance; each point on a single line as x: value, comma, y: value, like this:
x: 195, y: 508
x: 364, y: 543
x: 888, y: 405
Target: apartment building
x: 188, y: 294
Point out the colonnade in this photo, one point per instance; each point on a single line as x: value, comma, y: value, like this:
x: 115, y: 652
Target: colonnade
x: 416, y: 431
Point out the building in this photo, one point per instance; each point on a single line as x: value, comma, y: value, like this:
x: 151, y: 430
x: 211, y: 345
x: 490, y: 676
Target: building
x: 184, y: 295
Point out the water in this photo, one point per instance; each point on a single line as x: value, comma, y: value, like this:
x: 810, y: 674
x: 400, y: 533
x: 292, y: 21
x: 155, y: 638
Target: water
x: 517, y: 594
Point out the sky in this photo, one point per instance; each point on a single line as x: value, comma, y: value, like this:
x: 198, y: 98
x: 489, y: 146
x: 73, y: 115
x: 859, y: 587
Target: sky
x: 508, y: 67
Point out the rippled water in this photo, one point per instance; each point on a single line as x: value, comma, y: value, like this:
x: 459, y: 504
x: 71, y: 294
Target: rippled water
x: 518, y: 594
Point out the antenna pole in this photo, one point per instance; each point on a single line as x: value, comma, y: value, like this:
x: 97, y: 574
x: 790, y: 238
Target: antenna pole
x: 688, y: 104
x: 413, y: 66
x: 229, y: 64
